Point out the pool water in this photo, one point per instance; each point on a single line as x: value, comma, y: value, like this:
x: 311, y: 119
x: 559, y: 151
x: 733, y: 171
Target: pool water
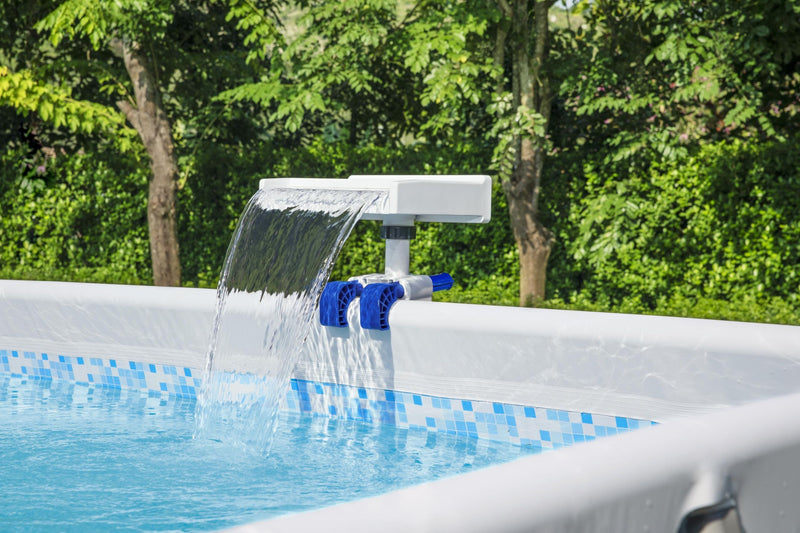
x: 78, y: 458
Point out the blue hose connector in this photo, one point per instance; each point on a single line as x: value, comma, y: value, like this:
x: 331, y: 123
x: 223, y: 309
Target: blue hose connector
x: 335, y: 300
x: 376, y: 302
x: 442, y: 282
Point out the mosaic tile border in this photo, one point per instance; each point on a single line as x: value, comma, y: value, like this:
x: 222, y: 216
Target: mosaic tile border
x: 537, y: 427
x: 530, y: 426
x: 112, y: 373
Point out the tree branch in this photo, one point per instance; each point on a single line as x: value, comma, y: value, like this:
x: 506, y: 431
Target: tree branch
x: 505, y: 8
x: 131, y: 113
x: 117, y: 47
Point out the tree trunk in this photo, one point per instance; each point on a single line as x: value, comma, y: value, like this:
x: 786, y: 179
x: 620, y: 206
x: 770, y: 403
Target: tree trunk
x: 150, y: 121
x: 531, y: 90
x: 534, y: 242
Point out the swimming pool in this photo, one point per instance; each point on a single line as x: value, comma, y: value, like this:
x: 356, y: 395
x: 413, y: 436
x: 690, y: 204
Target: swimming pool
x: 722, y: 393
x: 98, y: 458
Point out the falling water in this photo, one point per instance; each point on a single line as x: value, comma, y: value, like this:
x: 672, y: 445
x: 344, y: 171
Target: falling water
x: 278, y: 261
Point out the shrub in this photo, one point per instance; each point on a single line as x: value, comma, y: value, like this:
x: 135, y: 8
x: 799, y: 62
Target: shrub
x: 77, y: 217
x: 721, y: 226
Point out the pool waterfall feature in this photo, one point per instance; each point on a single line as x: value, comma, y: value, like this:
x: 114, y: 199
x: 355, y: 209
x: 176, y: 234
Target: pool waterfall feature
x: 277, y: 263
x: 726, y: 449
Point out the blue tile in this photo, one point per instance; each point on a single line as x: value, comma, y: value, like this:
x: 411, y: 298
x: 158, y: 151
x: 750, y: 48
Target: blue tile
x: 389, y: 396
x: 187, y: 372
x: 80, y: 360
x: 436, y: 403
x: 530, y: 412
x: 511, y: 421
x: 552, y: 414
x: 430, y: 422
x: 416, y: 399
x: 497, y: 408
x: 362, y: 393
x: 445, y: 402
x: 622, y: 422
x: 545, y: 435
x: 466, y: 405
x: 586, y: 418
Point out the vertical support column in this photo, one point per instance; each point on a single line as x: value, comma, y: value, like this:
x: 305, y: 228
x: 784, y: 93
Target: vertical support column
x: 398, y: 232
x: 397, y: 256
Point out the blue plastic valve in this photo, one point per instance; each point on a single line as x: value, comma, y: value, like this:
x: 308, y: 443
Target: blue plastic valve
x: 335, y: 300
x: 376, y: 302
x: 442, y: 282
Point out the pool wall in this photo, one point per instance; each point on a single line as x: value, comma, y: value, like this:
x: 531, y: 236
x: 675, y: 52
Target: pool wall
x: 540, y: 378
x: 637, y: 367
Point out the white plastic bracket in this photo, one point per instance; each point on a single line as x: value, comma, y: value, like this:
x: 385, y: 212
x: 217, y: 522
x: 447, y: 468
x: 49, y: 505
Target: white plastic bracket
x: 408, y: 199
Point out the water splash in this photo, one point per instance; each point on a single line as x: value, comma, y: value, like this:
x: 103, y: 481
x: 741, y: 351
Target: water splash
x: 279, y: 259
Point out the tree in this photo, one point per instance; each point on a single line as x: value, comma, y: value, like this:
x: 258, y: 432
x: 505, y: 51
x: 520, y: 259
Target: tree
x: 152, y: 63
x: 524, y: 29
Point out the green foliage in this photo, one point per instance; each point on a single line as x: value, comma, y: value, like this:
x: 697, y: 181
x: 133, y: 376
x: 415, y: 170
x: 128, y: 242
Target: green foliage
x: 665, y: 74
x: 73, y: 218
x: 655, y: 204
x: 56, y: 105
x: 375, y: 71
x: 719, y: 226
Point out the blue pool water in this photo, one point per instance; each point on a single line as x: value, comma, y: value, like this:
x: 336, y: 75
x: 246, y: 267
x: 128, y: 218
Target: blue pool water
x: 77, y: 458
